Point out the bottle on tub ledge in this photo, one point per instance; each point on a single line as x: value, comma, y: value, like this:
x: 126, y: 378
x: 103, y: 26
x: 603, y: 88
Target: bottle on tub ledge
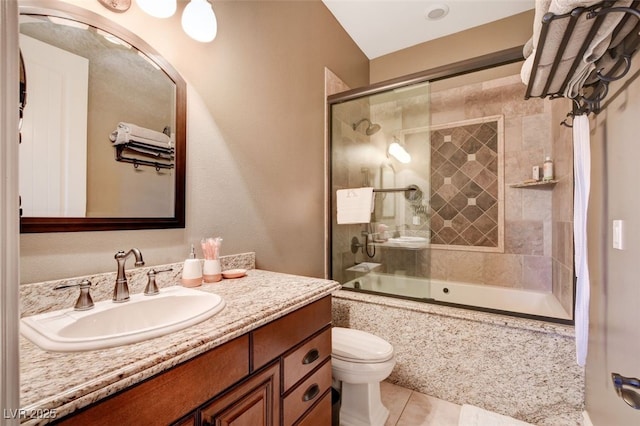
x: 212, y: 270
x: 192, y: 270
x: 547, y: 170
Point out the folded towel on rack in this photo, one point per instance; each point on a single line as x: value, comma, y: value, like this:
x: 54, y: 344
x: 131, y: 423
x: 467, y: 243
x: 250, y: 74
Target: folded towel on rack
x: 543, y: 73
x: 127, y: 132
x: 612, y: 63
x: 556, y: 29
x: 148, y: 147
x: 354, y: 205
x: 576, y: 83
x: 148, y: 152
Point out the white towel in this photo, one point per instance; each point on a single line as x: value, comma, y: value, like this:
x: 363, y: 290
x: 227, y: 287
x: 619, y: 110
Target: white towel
x: 471, y: 415
x: 127, y: 132
x: 582, y: 176
x: 594, y: 51
x: 354, y: 205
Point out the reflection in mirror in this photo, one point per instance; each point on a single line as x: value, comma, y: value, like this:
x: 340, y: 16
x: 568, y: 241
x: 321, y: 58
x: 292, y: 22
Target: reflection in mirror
x: 103, y: 139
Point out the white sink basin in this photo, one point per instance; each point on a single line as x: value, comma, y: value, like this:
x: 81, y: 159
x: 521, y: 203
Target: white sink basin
x: 409, y: 241
x: 111, y: 324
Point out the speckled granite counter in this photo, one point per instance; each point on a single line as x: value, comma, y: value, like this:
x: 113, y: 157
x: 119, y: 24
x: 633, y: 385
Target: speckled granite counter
x: 64, y: 382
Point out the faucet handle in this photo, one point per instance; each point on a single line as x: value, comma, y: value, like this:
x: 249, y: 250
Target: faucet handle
x: 152, y: 288
x: 84, y: 302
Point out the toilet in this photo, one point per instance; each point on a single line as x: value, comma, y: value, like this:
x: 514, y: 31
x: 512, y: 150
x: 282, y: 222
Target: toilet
x: 360, y: 361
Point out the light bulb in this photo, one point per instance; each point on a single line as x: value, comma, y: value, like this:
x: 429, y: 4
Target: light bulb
x: 158, y: 8
x: 199, y: 21
x: 399, y: 153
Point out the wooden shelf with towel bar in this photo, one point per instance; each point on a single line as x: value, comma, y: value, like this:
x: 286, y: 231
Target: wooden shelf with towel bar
x: 576, y: 54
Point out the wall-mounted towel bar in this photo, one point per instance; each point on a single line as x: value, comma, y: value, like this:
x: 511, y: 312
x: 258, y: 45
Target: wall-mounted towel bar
x: 408, y: 188
x: 140, y: 162
x: 579, y: 53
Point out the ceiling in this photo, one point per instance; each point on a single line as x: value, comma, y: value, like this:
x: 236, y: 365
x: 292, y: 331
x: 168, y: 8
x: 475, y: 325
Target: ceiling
x: 380, y: 27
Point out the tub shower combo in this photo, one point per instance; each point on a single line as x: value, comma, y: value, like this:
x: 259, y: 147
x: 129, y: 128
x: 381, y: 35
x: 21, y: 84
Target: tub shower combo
x: 449, y: 222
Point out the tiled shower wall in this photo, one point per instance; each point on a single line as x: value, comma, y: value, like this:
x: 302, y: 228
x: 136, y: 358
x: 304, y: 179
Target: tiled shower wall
x: 537, y: 229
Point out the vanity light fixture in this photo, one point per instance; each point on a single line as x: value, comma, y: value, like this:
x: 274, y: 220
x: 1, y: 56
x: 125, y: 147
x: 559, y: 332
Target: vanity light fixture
x: 399, y: 152
x: 158, y: 8
x: 199, y: 21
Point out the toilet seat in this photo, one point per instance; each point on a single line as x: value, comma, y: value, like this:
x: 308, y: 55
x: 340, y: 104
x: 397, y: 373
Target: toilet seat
x: 359, y: 346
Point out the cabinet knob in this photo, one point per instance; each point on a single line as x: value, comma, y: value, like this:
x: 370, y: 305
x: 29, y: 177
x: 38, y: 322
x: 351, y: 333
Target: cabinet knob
x: 311, y: 393
x: 311, y: 356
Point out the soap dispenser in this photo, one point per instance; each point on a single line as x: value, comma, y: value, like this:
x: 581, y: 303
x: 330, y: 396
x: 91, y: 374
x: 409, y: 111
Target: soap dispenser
x: 192, y: 270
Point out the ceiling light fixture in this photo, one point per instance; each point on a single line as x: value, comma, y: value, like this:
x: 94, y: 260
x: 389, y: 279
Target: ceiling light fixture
x: 436, y: 11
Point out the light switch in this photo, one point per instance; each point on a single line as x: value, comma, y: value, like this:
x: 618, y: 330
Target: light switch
x: 618, y: 233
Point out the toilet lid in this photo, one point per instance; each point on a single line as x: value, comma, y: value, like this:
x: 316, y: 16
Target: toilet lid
x: 359, y: 346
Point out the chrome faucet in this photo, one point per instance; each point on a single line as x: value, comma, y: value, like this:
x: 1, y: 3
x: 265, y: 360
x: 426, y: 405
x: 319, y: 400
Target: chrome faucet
x: 121, y: 289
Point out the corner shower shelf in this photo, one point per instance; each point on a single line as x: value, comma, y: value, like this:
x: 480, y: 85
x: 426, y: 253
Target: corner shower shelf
x: 543, y: 184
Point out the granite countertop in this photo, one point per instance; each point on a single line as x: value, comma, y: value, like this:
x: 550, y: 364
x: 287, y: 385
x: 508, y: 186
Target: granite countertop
x: 57, y: 383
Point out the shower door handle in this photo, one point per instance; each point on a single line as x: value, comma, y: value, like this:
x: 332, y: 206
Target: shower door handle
x: 629, y: 396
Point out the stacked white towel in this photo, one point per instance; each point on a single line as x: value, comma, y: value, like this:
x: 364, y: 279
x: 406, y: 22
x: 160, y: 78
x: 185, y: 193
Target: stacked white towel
x: 601, y: 41
x: 354, y: 205
x: 128, y: 132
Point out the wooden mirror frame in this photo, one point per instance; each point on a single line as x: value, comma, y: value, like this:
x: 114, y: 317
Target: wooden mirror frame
x: 74, y: 224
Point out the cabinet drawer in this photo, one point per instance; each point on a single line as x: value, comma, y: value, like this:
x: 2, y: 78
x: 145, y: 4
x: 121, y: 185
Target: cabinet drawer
x: 303, y: 396
x: 275, y: 338
x: 320, y: 415
x: 303, y: 360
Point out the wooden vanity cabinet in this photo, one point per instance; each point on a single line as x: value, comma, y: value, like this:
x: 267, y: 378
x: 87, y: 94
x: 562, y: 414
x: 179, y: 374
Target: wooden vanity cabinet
x: 278, y: 374
x: 253, y: 402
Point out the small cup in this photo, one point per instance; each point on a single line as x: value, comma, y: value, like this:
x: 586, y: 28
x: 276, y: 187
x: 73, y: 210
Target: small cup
x: 212, y: 271
x: 192, y: 273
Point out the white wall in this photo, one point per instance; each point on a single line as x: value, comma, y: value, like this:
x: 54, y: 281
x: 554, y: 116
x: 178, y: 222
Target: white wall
x: 614, y: 343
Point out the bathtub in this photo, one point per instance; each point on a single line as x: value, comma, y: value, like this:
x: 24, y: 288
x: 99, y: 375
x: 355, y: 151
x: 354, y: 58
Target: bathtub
x: 484, y: 297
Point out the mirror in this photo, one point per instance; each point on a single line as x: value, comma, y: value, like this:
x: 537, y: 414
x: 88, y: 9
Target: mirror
x: 104, y: 133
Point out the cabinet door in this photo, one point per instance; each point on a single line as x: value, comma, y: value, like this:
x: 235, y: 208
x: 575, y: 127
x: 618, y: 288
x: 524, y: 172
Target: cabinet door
x: 254, y: 402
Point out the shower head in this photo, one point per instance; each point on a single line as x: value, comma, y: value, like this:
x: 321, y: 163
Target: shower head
x: 371, y: 128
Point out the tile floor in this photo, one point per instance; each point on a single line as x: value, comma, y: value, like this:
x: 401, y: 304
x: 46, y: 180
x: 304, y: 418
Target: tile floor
x: 410, y: 408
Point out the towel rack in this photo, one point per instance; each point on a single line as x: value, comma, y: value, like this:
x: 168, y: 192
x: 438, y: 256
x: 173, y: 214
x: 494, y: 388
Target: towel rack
x: 138, y: 161
x: 596, y: 87
x: 405, y: 189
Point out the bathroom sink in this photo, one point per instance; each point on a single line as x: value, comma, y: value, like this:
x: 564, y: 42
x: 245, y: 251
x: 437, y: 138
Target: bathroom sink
x: 111, y: 324
x: 409, y: 241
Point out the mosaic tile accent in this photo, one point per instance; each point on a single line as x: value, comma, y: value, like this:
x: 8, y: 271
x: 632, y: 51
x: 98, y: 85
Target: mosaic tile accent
x: 465, y: 190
